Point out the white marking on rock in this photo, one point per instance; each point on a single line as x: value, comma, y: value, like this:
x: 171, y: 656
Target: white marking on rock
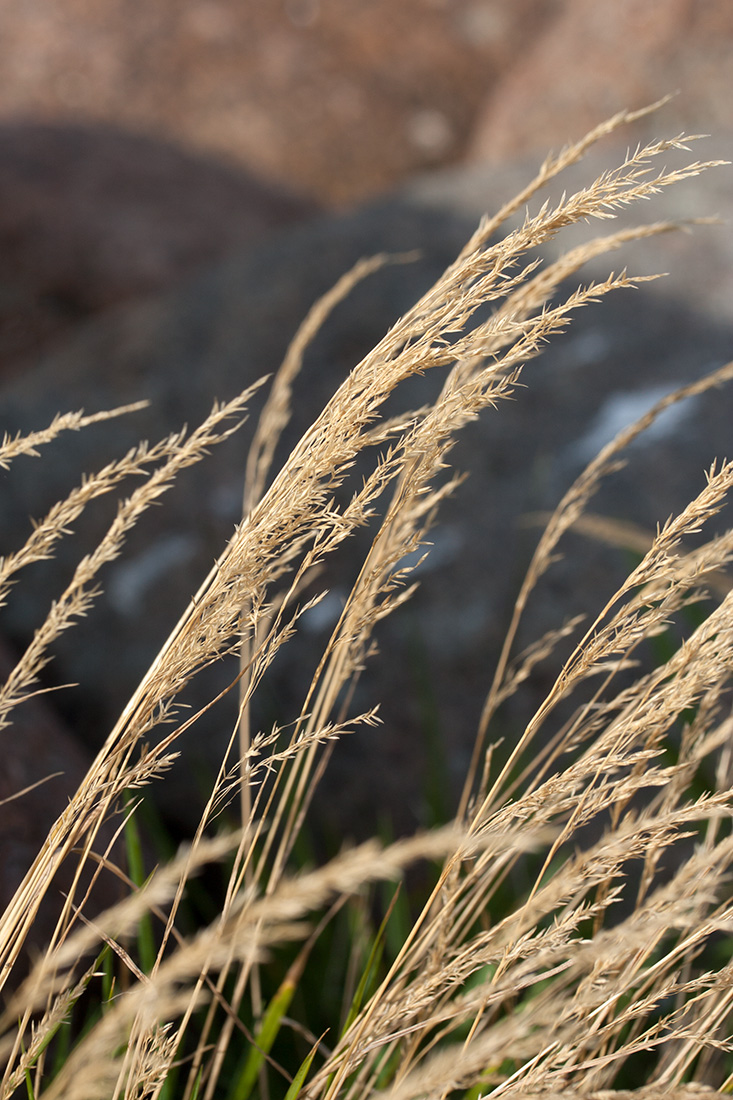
x: 622, y: 410
x: 131, y: 580
x: 324, y: 614
x: 430, y: 131
x: 443, y: 547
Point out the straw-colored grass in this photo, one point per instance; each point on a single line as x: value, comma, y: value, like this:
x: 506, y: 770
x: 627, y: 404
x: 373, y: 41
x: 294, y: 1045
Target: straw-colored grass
x: 492, y: 990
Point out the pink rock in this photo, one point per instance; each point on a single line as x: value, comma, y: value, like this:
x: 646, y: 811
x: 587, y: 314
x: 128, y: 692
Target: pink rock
x: 595, y: 59
x: 334, y: 100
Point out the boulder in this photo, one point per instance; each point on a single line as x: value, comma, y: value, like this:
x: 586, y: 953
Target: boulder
x: 592, y: 60
x: 341, y: 101
x: 335, y: 101
x: 216, y: 334
x: 92, y: 216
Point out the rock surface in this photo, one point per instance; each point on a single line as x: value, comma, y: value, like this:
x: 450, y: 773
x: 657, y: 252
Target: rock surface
x: 335, y: 100
x: 592, y: 60
x: 213, y: 336
x: 94, y: 216
x: 338, y: 100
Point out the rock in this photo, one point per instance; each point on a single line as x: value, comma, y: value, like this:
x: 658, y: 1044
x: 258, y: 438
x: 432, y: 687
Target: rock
x: 92, y: 216
x: 335, y: 101
x: 218, y: 333
x: 341, y: 101
x: 208, y: 340
x: 592, y: 60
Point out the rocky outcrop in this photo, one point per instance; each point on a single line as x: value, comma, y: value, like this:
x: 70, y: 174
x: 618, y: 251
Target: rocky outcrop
x: 592, y: 60
x: 94, y: 216
x: 337, y: 101
x: 213, y: 336
x: 341, y: 101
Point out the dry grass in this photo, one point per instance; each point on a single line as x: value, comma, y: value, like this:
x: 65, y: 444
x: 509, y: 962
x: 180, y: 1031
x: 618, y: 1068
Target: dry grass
x: 556, y: 995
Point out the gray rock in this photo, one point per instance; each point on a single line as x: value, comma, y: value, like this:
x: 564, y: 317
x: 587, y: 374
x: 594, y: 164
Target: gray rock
x: 213, y: 336
x: 91, y: 216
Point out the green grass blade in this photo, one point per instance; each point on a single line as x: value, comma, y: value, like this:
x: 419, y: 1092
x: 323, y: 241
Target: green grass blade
x: 264, y: 1038
x: 299, y: 1079
x: 197, y: 1084
x: 136, y: 865
x: 371, y: 968
x: 27, y: 1074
